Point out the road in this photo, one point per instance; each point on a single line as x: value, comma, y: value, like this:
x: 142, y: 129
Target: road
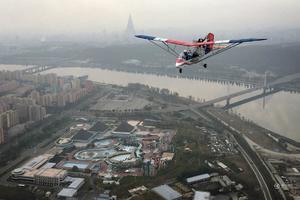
x: 278, y: 81
x: 274, y: 154
x: 261, y: 171
x: 259, y: 177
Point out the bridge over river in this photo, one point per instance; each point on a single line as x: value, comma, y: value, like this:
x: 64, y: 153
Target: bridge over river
x: 267, y: 89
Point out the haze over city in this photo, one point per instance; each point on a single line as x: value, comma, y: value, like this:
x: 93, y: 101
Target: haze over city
x: 47, y: 17
x: 149, y: 100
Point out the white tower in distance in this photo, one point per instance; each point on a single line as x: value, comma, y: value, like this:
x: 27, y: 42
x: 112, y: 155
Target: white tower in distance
x: 130, y: 27
x: 130, y: 30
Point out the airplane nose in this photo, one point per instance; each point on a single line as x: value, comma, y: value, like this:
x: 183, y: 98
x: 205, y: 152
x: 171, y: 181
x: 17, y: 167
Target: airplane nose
x: 179, y: 62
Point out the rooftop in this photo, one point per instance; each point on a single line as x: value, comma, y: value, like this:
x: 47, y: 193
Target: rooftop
x: 167, y: 192
x: 67, y: 192
x: 99, y: 127
x: 200, y: 177
x: 51, y: 172
x: 167, y: 156
x: 201, y: 195
x: 37, y: 162
x: 124, y: 127
x: 82, y: 135
x: 134, y: 122
x: 48, y: 165
x: 76, y: 183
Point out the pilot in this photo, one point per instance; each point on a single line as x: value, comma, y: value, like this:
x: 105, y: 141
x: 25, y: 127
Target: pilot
x: 185, y: 55
x: 195, y: 54
x: 190, y: 54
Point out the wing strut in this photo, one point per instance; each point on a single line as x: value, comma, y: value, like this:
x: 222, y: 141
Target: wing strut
x: 168, y: 49
x: 213, y: 53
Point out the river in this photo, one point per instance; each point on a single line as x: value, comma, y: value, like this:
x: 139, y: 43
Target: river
x: 280, y: 112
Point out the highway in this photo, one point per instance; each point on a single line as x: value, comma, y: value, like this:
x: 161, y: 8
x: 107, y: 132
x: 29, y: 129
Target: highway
x: 261, y: 171
x: 278, y: 81
x: 259, y: 177
x: 193, y: 107
x: 253, y: 98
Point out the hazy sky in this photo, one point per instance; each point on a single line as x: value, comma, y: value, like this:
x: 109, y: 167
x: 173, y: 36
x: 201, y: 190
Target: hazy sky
x: 63, y: 16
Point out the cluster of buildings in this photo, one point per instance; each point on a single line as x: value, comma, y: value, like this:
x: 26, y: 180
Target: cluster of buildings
x: 126, y: 148
x: 6, y: 86
x: 16, y: 110
x: 109, y: 150
x: 25, y: 108
x: 24, y: 98
x: 60, y: 99
x: 286, y: 172
x: 201, y: 187
x: 40, y: 171
x: 75, y: 183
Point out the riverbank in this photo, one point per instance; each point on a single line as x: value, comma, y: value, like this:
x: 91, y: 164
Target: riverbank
x: 278, y: 112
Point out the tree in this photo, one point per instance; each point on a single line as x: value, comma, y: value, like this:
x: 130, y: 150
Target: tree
x: 75, y: 168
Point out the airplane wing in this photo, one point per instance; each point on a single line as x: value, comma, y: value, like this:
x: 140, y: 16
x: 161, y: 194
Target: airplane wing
x: 170, y: 41
x: 224, y: 45
x: 196, y: 44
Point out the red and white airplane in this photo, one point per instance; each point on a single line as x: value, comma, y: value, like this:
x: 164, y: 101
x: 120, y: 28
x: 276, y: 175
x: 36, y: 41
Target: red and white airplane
x: 201, y: 49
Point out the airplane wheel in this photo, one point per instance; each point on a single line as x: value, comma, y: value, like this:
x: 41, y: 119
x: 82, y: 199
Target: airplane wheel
x: 205, y: 65
x: 180, y: 70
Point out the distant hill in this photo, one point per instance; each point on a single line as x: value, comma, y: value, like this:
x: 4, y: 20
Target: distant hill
x: 279, y: 59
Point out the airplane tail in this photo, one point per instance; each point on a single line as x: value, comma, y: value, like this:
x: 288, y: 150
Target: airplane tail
x: 210, y: 38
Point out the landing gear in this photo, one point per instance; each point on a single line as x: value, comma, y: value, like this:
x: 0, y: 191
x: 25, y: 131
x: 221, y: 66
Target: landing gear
x: 180, y: 70
x: 205, y: 65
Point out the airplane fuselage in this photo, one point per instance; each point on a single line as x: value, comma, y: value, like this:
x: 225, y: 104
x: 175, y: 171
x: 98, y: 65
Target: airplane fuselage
x: 180, y: 62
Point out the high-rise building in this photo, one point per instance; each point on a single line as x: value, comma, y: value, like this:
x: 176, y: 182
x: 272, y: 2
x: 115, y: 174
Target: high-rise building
x: 6, y: 86
x: 43, y: 112
x: 47, y: 100
x: 51, y: 79
x: 8, y: 119
x: 22, y: 110
x: 2, y: 137
x: 75, y: 83
x: 130, y: 27
x: 36, y: 96
x: 12, y: 118
x: 3, y: 107
x: 89, y: 85
x: 61, y: 82
x: 36, y: 113
x: 3, y: 120
x: 129, y: 32
x: 61, y: 100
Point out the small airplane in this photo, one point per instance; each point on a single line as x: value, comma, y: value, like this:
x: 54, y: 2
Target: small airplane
x: 203, y: 48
